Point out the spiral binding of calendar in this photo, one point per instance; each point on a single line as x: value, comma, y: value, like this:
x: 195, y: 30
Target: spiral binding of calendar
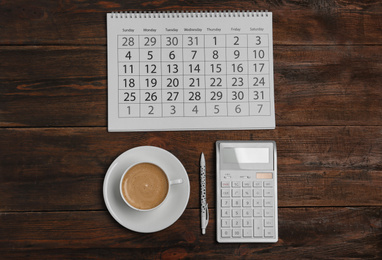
x: 189, y: 14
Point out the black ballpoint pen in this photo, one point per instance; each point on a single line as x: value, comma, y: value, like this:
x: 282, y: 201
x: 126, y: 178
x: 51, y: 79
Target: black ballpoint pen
x: 204, y: 215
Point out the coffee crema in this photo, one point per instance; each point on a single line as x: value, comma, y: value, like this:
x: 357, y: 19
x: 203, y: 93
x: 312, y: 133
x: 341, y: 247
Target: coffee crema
x: 145, y: 186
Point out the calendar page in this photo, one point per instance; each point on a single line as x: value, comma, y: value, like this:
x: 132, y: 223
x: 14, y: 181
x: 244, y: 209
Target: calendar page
x: 190, y: 71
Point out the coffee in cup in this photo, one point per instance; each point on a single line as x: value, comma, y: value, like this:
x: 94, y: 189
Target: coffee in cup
x: 145, y: 186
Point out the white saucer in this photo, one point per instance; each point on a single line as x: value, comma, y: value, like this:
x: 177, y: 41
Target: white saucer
x: 157, y: 219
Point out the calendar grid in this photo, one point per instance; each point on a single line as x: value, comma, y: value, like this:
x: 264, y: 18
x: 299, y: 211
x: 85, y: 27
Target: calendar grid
x: 244, y: 90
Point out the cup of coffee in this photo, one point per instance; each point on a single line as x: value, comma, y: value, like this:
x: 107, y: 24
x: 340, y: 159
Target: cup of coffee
x: 145, y: 186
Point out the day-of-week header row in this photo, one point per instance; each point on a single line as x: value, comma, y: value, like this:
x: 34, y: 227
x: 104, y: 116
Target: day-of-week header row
x: 172, y: 30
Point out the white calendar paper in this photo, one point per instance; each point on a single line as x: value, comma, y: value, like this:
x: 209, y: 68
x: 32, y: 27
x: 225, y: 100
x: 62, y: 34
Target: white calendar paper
x: 190, y: 71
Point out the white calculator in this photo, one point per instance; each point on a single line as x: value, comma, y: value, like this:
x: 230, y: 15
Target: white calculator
x: 246, y: 189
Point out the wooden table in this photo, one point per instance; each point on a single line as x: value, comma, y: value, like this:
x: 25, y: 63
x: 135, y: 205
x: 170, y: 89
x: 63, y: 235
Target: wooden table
x: 55, y: 148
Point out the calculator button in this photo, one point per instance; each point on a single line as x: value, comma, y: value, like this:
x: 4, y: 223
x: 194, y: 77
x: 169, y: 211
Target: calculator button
x: 268, y: 184
x: 236, y: 192
x: 268, y: 203
x: 226, y: 223
x: 236, y: 223
x: 236, y: 233
x: 257, y: 192
x: 236, y: 202
x: 225, y: 184
x: 268, y: 192
x: 268, y: 222
x: 247, y: 202
x: 257, y: 184
x: 248, y: 232
x: 226, y: 203
x: 269, y: 232
x: 247, y: 222
x: 247, y: 213
x: 236, y: 213
x: 268, y: 212
x: 247, y: 193
x: 257, y: 212
x: 226, y: 193
x: 258, y: 227
x: 257, y: 202
x: 236, y: 184
x: 226, y: 232
x: 226, y: 213
x: 247, y: 184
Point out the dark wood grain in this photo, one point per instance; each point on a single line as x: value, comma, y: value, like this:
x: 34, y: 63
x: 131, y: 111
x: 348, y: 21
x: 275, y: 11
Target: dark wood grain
x: 66, y: 86
x: 63, y: 168
x: 295, y: 22
x: 304, y: 233
x: 55, y: 149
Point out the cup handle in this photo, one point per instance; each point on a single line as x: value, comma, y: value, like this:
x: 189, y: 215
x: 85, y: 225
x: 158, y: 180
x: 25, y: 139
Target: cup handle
x: 177, y: 181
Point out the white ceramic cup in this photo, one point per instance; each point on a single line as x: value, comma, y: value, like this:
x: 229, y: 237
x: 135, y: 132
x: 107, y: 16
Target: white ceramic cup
x: 170, y: 184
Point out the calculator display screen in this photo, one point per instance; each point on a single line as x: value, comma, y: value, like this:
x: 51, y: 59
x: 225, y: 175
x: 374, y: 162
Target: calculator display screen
x: 240, y: 155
